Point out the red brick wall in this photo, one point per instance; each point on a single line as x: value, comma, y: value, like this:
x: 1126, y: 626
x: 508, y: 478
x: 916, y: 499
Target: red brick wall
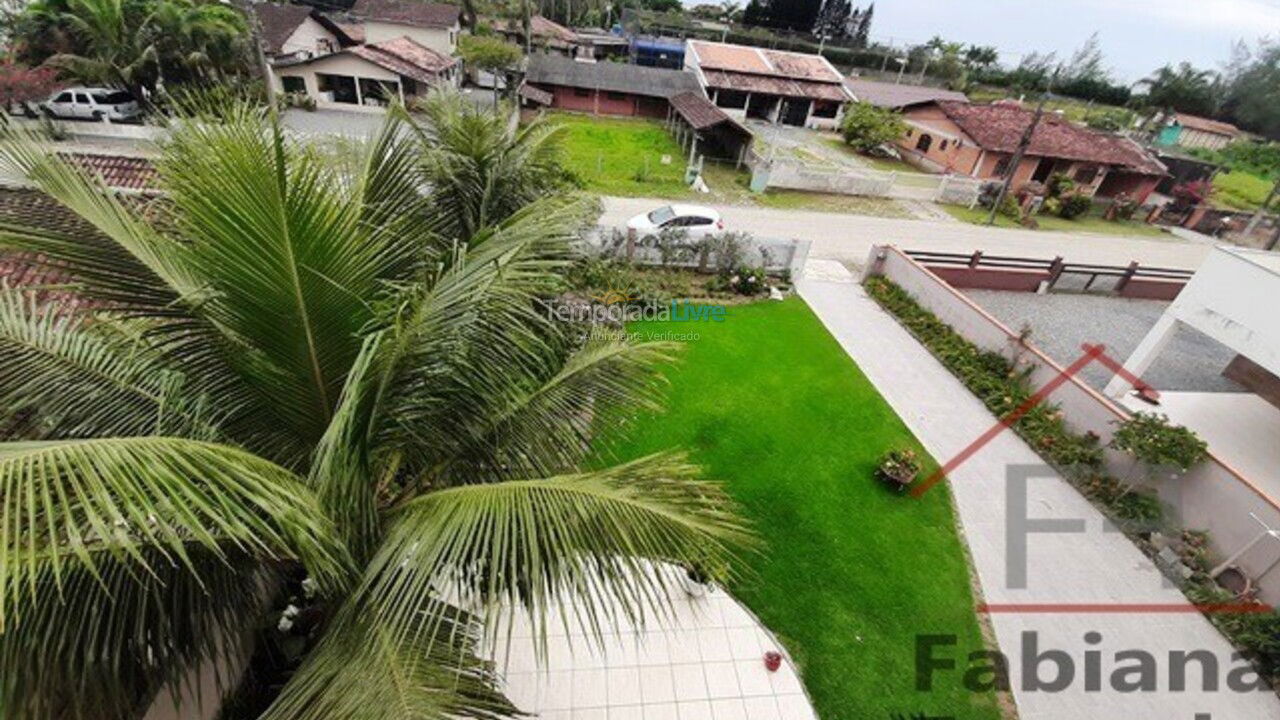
x: 600, y: 103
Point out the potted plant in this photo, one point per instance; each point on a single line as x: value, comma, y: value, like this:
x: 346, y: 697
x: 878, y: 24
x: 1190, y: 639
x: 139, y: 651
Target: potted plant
x: 899, y: 468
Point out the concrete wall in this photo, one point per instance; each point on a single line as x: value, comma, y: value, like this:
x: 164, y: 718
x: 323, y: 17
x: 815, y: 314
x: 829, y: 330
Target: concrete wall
x: 1213, y: 496
x: 442, y: 40
x: 603, y: 102
x: 338, y: 64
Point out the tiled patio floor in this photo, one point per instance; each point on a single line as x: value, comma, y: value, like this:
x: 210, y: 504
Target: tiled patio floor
x: 705, y: 663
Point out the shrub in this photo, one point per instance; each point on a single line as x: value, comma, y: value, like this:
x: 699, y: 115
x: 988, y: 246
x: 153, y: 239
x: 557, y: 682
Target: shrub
x: 1110, y: 120
x: 1059, y: 184
x: 1152, y: 439
x: 1074, y: 205
x: 1051, y: 205
x: 866, y: 127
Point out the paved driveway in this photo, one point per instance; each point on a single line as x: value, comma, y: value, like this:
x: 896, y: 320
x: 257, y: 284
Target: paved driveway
x: 1092, y: 567
x: 849, y: 238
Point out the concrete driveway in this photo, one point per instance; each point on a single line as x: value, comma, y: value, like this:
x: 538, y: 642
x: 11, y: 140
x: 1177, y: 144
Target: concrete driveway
x: 849, y: 238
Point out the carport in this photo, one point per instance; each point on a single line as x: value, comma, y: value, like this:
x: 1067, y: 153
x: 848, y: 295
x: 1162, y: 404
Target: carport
x: 694, y: 119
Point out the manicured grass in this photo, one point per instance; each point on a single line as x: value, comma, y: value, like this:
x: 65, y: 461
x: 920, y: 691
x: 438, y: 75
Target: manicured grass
x: 1089, y: 223
x: 1240, y: 190
x: 851, y: 573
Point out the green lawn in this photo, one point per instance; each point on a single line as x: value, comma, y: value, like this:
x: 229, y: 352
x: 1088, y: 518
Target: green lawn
x: 623, y: 156
x: 851, y: 573
x: 1089, y: 223
x: 1240, y: 190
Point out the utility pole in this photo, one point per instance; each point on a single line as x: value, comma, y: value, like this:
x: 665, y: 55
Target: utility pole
x: 1257, y: 216
x: 1023, y: 143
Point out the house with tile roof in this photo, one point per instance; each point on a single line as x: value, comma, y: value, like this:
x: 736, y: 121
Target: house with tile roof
x: 946, y: 136
x: 433, y: 25
x: 298, y: 32
x: 772, y: 85
x: 1191, y: 131
x: 604, y: 88
x: 895, y: 96
x: 369, y: 76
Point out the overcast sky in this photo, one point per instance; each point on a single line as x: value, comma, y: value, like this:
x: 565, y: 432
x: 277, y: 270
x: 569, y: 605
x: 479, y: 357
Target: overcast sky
x: 1137, y: 36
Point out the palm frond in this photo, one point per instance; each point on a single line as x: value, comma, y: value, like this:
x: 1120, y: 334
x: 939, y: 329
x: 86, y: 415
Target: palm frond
x: 66, y: 502
x: 78, y: 379
x: 100, y: 644
x: 426, y: 669
x: 590, y: 541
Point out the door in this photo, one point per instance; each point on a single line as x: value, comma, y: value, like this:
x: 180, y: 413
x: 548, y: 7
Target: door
x: 1043, y: 170
x: 83, y: 107
x: 795, y: 111
x: 61, y: 106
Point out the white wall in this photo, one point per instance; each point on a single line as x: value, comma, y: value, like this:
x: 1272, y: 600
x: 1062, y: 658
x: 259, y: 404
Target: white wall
x: 310, y: 37
x: 339, y: 64
x: 442, y: 40
x: 1231, y: 298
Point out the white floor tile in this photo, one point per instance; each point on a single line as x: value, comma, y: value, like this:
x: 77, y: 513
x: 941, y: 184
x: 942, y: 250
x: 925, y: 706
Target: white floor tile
x: 722, y: 680
x: 760, y: 708
x: 656, y: 685
x: 663, y: 711
x: 730, y: 709
x: 624, y: 686
x: 590, y: 689
x: 690, y: 684
x: 696, y: 710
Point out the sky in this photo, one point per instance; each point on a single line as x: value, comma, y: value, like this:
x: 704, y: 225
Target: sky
x: 1137, y: 36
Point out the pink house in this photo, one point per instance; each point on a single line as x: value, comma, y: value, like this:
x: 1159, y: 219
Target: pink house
x: 947, y: 136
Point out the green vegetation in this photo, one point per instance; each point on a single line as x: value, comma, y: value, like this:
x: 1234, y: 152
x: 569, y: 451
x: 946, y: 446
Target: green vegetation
x: 1087, y: 223
x: 866, y: 127
x: 1240, y: 190
x: 621, y: 156
x: 853, y: 571
x: 885, y: 164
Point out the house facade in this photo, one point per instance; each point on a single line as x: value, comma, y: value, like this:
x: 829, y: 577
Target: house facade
x: 1190, y: 131
x: 432, y: 25
x: 771, y: 85
x: 368, y: 77
x: 294, y: 32
x: 946, y: 136
x: 604, y: 88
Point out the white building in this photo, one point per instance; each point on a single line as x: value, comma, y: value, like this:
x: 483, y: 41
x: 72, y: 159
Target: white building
x: 432, y: 25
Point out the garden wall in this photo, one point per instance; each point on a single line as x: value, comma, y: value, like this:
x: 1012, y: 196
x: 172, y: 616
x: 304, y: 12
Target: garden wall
x: 796, y: 175
x: 1213, y: 496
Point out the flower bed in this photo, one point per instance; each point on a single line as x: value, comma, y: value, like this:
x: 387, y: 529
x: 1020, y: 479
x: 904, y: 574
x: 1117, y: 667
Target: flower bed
x: 1002, y: 385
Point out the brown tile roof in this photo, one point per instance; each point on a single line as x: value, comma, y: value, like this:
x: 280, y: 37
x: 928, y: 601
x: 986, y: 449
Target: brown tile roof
x: 698, y: 111
x: 892, y: 95
x: 278, y: 22
x: 547, y: 70
x: 775, y: 85
x: 999, y: 128
x: 407, y: 12
x: 406, y: 57
x: 762, y: 61
x: 543, y: 29
x: 1216, y: 127
x: 533, y: 94
x: 33, y: 209
x: 117, y: 171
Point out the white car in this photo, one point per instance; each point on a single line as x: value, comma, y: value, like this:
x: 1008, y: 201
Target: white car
x: 696, y: 221
x: 91, y: 103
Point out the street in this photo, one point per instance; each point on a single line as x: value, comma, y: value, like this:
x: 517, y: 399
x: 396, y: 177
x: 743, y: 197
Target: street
x: 849, y: 238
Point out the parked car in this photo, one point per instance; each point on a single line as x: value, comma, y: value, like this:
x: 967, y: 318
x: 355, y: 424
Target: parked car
x: 695, y: 220
x: 91, y: 103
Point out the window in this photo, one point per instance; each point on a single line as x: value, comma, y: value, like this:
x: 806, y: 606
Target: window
x: 1086, y: 174
x: 943, y: 145
x: 662, y: 215
x: 581, y: 92
x: 63, y: 98
x: 825, y: 109
x: 324, y: 46
x: 731, y: 99
x: 697, y: 221
x: 1002, y: 166
x: 116, y: 97
x: 616, y: 95
x: 82, y: 98
x: 293, y: 84
x: 924, y: 142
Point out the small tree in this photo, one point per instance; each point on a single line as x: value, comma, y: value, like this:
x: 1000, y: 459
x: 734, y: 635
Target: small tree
x: 490, y: 54
x: 867, y: 127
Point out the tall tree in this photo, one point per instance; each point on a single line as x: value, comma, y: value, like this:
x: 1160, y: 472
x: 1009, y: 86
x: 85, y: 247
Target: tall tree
x: 862, y: 35
x: 327, y: 380
x: 1086, y: 63
x: 1252, y: 97
x: 1183, y: 88
x: 833, y: 19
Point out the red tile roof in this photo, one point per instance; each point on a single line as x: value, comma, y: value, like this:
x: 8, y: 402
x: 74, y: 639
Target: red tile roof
x: 117, y: 171
x: 762, y: 61
x: 896, y: 95
x: 407, y: 12
x: 278, y: 22
x: 406, y: 57
x: 1217, y: 127
x: 698, y: 111
x: 999, y: 128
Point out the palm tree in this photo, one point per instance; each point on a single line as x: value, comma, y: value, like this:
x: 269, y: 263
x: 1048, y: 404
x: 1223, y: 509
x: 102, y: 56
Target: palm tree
x: 299, y: 381
x: 1184, y: 89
